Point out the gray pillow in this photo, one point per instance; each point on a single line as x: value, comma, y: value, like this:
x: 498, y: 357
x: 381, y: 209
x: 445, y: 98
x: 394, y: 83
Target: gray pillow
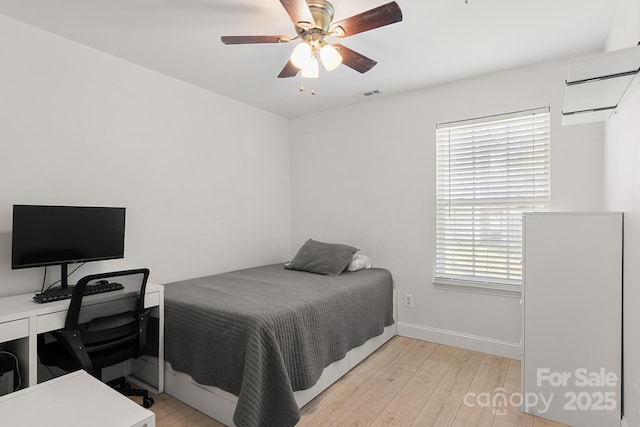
x: 329, y: 259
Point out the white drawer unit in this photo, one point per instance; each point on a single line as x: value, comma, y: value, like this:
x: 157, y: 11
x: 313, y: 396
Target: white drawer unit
x: 73, y: 400
x: 14, y: 329
x: 572, y: 317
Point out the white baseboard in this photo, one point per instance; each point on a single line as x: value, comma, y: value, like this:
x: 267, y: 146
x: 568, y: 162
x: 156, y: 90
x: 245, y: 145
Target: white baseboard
x: 458, y: 339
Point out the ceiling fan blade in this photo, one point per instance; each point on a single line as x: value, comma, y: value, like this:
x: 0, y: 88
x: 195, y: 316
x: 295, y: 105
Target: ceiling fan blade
x: 299, y: 12
x: 355, y: 60
x: 289, y: 70
x: 254, y: 39
x: 386, y: 14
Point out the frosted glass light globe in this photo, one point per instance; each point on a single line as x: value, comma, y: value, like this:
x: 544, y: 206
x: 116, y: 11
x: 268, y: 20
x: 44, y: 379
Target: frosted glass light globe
x: 311, y: 69
x: 301, y: 55
x: 330, y: 57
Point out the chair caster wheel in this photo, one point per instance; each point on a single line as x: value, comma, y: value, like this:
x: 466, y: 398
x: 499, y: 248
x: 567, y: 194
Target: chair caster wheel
x: 147, y: 402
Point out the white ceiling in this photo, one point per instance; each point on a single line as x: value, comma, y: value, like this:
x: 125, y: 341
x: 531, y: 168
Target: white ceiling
x: 438, y: 41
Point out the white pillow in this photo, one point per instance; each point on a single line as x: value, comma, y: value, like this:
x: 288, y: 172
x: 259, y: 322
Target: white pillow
x: 359, y: 262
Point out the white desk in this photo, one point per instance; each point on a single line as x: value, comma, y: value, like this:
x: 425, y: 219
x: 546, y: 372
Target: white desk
x: 22, y: 319
x: 73, y: 400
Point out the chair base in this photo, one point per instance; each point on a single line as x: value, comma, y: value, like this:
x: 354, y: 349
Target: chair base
x: 120, y: 385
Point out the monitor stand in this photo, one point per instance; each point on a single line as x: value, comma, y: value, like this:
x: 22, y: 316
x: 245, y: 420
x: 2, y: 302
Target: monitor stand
x: 64, y: 282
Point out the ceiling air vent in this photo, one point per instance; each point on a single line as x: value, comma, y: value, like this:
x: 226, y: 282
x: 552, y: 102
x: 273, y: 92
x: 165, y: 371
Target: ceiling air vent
x: 371, y: 93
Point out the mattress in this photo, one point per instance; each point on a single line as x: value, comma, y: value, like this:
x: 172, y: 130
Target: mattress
x: 263, y: 333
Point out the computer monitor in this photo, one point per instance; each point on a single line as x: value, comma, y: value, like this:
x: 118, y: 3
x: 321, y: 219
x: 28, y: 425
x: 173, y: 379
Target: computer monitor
x: 61, y: 235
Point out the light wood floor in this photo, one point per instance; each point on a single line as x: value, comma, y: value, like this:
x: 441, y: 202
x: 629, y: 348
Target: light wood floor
x: 405, y: 383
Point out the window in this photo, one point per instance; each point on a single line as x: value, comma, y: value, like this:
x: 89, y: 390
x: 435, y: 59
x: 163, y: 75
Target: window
x: 489, y: 171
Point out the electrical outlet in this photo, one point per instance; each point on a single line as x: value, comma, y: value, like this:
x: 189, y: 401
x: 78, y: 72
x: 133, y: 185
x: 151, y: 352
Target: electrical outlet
x: 408, y: 300
x: 634, y: 402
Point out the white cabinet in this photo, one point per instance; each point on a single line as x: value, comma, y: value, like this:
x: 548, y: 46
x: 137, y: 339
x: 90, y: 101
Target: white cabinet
x: 572, y: 317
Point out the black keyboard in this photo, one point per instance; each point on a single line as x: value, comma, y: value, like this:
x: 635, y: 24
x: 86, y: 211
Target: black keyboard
x: 57, y: 294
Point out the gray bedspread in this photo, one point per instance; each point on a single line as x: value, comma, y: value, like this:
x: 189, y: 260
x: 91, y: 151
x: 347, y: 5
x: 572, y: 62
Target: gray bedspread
x: 264, y: 332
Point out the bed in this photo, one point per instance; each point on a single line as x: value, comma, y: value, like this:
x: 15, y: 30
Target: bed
x: 250, y: 347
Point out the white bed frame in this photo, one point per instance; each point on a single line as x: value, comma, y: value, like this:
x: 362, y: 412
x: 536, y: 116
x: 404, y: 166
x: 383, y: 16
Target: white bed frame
x: 221, y: 405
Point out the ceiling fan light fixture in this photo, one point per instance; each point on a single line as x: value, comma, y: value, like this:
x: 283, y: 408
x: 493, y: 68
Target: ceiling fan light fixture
x: 301, y: 55
x: 313, y: 21
x: 311, y: 69
x: 330, y: 57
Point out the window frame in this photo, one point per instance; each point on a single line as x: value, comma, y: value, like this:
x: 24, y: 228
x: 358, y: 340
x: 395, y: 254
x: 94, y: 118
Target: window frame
x: 475, y: 283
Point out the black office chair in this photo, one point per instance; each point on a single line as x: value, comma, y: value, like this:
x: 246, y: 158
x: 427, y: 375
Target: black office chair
x: 109, y: 328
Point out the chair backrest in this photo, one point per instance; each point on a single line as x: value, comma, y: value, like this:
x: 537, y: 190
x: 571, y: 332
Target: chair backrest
x: 111, y: 319
x: 131, y: 298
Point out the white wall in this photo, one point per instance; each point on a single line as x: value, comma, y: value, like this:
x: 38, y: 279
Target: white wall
x: 365, y: 175
x: 622, y: 192
x: 205, y: 179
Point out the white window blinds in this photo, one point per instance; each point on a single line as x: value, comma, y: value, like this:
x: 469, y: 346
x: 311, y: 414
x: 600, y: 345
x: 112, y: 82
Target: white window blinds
x: 489, y: 171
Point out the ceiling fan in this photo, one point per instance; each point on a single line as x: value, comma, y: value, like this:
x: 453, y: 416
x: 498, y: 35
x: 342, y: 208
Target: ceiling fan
x: 312, y: 21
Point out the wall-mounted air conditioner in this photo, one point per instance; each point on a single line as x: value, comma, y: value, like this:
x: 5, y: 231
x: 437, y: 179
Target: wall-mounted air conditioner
x: 597, y: 84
